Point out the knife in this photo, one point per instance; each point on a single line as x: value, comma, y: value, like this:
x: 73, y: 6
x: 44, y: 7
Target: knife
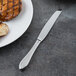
x: 46, y: 29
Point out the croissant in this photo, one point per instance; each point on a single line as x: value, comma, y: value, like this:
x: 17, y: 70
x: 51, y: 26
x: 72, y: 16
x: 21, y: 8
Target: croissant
x: 9, y: 9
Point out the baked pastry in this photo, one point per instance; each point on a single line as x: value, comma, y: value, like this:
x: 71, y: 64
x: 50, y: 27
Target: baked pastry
x: 9, y: 9
x: 3, y: 29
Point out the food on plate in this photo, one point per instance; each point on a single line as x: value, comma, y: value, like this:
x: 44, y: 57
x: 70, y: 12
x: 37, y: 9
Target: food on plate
x: 9, y: 9
x: 3, y: 29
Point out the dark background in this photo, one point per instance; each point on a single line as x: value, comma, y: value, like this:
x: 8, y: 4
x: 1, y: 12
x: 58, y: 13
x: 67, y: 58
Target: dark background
x: 56, y: 56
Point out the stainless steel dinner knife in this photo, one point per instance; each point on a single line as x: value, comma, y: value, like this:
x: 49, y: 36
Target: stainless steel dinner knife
x: 25, y: 61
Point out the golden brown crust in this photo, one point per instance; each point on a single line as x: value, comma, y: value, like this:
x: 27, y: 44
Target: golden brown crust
x: 9, y: 9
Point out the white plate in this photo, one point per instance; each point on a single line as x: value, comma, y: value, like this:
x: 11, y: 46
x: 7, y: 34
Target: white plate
x: 19, y: 24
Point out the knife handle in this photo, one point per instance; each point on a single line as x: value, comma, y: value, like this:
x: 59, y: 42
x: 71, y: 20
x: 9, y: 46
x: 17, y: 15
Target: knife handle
x: 28, y: 57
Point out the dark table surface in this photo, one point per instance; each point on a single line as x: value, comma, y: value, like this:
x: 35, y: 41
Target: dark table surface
x: 56, y: 56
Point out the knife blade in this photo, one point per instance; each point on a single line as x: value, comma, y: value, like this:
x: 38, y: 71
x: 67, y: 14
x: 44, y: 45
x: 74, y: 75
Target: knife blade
x: 46, y: 29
